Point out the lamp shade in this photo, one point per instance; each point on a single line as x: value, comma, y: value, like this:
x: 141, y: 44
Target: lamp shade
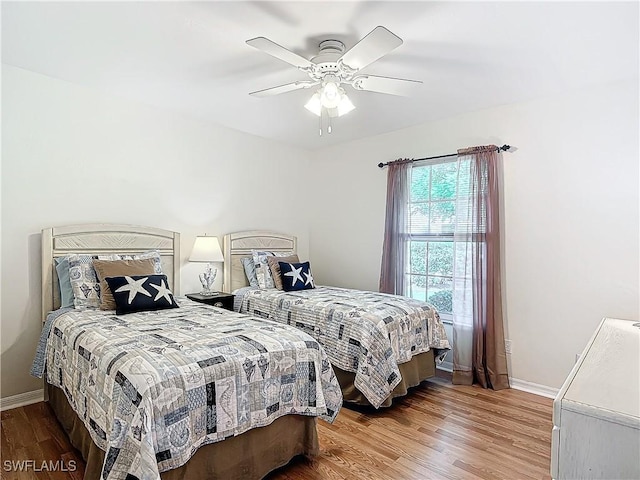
x: 314, y: 105
x: 339, y: 105
x: 345, y: 105
x: 206, y: 249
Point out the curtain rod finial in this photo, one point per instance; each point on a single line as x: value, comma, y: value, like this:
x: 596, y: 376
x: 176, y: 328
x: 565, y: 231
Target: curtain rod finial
x: 380, y: 165
x: 504, y: 148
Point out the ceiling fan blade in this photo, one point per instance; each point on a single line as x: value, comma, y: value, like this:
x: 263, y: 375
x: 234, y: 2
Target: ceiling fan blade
x: 278, y: 51
x: 288, y: 87
x: 374, y: 45
x: 389, y: 85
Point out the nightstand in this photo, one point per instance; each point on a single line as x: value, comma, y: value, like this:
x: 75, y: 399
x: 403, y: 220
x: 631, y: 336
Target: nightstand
x: 220, y: 299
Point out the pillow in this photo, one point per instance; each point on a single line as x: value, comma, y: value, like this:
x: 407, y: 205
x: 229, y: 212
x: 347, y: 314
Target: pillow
x: 152, y: 254
x: 250, y: 270
x: 274, y: 267
x: 263, y: 274
x: 296, y: 276
x: 118, y: 268
x: 141, y: 293
x: 85, y: 285
x: 66, y: 292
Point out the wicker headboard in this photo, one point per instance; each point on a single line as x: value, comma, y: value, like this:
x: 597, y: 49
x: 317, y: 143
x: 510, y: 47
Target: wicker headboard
x: 105, y: 239
x: 238, y: 245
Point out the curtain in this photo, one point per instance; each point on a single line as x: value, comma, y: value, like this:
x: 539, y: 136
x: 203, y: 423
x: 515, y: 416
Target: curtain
x: 394, y: 248
x: 478, y: 334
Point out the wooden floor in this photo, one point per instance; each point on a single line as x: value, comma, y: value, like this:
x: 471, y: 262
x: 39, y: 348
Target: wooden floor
x: 439, y: 431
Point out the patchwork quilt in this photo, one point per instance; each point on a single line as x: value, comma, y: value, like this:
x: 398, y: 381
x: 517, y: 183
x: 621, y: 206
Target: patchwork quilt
x: 366, y: 333
x: 152, y: 387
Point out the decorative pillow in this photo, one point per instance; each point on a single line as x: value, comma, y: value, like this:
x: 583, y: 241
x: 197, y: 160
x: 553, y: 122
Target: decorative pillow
x: 152, y: 254
x: 296, y: 276
x: 274, y: 267
x: 250, y: 270
x: 84, y: 283
x: 118, y: 268
x: 265, y: 280
x: 141, y: 293
x: 66, y: 292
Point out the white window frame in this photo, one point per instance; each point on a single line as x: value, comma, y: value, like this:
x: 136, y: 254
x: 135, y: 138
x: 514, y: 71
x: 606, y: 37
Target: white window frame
x: 446, y: 317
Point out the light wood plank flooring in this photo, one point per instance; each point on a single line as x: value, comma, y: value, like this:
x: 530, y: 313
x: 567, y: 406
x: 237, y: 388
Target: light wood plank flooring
x: 439, y: 431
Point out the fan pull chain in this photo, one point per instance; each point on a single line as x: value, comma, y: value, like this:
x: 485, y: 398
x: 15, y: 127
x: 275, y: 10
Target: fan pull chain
x: 324, y: 113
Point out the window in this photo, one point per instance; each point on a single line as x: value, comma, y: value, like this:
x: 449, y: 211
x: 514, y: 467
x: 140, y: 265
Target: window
x: 433, y: 196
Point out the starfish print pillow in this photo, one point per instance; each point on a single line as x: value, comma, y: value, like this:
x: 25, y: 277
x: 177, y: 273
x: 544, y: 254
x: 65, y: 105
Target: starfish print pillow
x: 141, y: 293
x: 296, y: 276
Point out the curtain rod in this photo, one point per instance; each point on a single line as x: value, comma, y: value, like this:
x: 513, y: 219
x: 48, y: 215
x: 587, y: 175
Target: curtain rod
x: 503, y: 148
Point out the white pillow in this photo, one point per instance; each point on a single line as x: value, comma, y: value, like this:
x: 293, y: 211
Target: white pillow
x: 153, y: 254
x: 84, y: 282
x: 250, y: 271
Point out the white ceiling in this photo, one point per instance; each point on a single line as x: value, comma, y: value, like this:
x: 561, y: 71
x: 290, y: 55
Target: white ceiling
x: 192, y: 57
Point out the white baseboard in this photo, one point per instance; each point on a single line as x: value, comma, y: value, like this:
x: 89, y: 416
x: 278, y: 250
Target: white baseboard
x: 516, y: 384
x: 446, y: 366
x: 536, y: 388
x: 21, y: 400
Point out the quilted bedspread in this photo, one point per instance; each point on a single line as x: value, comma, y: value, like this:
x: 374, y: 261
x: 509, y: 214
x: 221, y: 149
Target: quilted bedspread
x: 152, y: 387
x: 366, y: 333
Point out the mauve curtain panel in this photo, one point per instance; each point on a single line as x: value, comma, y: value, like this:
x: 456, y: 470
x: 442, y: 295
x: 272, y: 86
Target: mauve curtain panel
x: 394, y: 248
x: 479, y: 352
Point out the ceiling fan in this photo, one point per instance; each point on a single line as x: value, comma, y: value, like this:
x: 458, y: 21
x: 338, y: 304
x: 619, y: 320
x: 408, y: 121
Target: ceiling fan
x: 333, y: 67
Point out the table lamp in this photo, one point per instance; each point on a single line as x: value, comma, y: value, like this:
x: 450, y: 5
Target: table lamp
x: 207, y: 249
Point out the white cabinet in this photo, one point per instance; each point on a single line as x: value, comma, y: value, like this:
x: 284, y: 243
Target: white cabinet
x: 596, y: 414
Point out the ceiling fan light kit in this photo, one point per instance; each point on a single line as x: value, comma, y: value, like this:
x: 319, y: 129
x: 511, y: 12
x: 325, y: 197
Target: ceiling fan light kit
x: 331, y: 94
x: 333, y: 67
x: 332, y: 97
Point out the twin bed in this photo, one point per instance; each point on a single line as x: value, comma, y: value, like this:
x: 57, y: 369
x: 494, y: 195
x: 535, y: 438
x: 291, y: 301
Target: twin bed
x: 182, y: 393
x: 201, y: 392
x: 379, y: 344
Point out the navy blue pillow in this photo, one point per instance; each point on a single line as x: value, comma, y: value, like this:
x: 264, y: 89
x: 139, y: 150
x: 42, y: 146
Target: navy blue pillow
x: 140, y: 293
x: 296, y: 276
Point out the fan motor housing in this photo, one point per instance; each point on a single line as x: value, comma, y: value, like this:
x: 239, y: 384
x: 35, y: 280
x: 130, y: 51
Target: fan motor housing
x: 326, y: 60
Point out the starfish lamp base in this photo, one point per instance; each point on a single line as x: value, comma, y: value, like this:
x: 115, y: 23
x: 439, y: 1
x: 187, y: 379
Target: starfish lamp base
x: 206, y: 279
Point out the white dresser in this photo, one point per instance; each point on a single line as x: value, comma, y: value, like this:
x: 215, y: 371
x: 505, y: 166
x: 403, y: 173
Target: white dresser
x: 596, y: 414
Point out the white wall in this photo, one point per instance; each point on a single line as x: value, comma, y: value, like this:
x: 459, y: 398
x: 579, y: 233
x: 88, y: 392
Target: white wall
x: 570, y: 218
x: 71, y: 155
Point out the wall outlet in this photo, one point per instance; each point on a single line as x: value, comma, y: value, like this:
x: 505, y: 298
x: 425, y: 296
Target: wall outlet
x: 507, y: 347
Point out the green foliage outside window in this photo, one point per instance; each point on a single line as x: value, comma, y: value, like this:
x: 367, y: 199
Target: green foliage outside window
x: 441, y: 258
x: 442, y: 300
x: 442, y: 187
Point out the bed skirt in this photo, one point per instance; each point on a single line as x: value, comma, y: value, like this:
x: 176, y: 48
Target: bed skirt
x: 419, y: 368
x: 248, y: 456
